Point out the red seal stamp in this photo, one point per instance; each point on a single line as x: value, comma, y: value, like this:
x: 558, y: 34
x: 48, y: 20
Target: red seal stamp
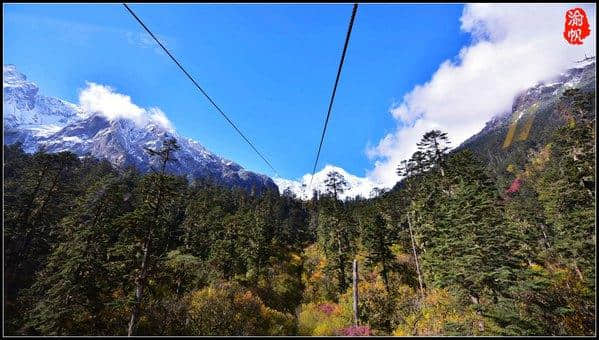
x: 576, y: 26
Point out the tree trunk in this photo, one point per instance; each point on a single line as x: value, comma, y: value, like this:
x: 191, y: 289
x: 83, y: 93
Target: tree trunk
x: 545, y: 238
x: 355, y: 276
x: 415, y: 257
x: 384, y: 272
x: 578, y: 272
x: 139, y: 286
x: 481, y: 325
x: 342, y: 283
x: 140, y: 280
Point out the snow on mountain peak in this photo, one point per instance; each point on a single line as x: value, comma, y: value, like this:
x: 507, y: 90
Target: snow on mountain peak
x: 356, y: 186
x: 108, y: 125
x: 25, y: 108
x: 11, y: 75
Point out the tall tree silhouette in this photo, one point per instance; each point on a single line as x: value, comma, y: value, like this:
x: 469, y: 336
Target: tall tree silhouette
x: 158, y: 190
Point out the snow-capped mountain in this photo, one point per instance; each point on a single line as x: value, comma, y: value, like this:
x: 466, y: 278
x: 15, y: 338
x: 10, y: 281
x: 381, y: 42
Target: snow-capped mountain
x: 57, y: 125
x: 356, y: 186
x: 28, y: 115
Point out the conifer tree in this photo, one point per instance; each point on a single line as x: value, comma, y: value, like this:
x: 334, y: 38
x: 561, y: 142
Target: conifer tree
x: 335, y: 235
x: 335, y: 183
x: 71, y: 293
x: 470, y: 245
x: 150, y: 218
x: 377, y: 238
x: 39, y: 193
x: 566, y: 185
x: 433, y: 147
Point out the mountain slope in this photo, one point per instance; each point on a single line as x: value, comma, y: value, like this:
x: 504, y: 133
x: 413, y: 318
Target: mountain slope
x: 57, y: 125
x: 28, y: 115
x: 508, y: 138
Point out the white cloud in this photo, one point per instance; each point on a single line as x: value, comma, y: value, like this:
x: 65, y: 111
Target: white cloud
x: 158, y: 116
x: 97, y: 98
x: 513, y: 47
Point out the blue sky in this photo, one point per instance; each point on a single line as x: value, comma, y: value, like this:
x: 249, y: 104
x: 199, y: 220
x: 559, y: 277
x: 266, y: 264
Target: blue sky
x: 270, y: 67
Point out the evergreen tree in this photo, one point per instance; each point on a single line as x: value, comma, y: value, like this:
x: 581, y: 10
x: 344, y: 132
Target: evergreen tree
x: 566, y: 185
x: 95, y: 250
x: 335, y: 183
x: 150, y: 221
x: 335, y: 234
x: 377, y: 238
x: 433, y: 147
x: 71, y: 294
x: 469, y: 245
x: 38, y: 193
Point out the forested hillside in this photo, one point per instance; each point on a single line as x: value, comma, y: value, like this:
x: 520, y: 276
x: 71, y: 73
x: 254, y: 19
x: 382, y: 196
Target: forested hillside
x: 453, y: 250
x: 507, y: 141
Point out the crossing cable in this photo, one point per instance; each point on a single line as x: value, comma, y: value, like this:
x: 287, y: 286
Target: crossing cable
x: 200, y: 88
x: 326, y: 122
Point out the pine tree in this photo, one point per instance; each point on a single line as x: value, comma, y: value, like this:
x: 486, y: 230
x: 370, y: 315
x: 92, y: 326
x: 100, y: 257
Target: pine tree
x: 470, y: 246
x: 566, y: 185
x: 433, y: 147
x: 424, y: 189
x: 377, y: 238
x: 335, y: 183
x: 71, y: 293
x: 204, y: 216
x: 151, y: 219
x: 335, y: 234
x: 265, y: 231
x: 38, y: 192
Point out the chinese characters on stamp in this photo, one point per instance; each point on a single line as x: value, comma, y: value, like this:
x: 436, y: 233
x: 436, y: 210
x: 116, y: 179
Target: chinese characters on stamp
x: 576, y: 26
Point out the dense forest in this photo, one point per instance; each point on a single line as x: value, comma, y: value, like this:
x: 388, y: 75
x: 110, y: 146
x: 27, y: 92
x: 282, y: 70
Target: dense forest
x: 450, y: 250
